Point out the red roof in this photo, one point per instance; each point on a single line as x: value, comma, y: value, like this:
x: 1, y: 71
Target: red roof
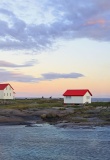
x: 3, y: 86
x: 80, y: 92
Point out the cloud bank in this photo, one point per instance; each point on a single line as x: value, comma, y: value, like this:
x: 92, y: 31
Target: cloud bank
x: 52, y: 76
x: 12, y: 65
x: 64, y: 20
x: 6, y: 76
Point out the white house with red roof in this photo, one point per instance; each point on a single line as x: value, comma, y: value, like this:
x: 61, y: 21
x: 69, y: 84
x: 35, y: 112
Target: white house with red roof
x: 6, y: 91
x: 79, y: 96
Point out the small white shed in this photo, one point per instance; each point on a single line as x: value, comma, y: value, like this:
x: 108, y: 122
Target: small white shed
x: 80, y: 96
x: 6, y: 91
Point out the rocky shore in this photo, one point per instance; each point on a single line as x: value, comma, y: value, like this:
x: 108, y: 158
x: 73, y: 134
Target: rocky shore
x: 59, y: 116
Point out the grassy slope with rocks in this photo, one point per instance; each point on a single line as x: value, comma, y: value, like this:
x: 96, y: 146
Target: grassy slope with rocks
x: 21, y: 111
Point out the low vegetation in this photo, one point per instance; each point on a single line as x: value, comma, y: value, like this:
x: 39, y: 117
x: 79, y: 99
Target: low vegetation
x: 31, y: 103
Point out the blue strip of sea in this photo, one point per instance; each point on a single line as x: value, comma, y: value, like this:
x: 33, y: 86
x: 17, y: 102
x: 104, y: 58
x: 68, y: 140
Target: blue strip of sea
x: 100, y: 99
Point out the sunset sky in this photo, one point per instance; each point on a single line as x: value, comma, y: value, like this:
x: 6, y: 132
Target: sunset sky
x: 49, y: 46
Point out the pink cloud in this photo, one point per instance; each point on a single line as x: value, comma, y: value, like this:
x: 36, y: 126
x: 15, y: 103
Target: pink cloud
x: 96, y: 21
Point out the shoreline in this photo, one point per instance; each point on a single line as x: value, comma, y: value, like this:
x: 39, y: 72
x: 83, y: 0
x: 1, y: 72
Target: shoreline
x: 58, y: 125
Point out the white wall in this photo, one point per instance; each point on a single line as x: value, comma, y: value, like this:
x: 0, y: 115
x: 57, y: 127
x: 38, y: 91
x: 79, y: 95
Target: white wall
x: 87, y: 98
x: 73, y: 99
x: 7, y: 93
x: 1, y: 94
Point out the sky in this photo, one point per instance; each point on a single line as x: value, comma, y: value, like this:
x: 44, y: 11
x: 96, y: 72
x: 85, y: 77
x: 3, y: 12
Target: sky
x: 49, y: 46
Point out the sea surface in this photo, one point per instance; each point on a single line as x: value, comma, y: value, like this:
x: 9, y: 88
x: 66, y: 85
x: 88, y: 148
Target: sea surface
x: 47, y: 142
x: 100, y: 99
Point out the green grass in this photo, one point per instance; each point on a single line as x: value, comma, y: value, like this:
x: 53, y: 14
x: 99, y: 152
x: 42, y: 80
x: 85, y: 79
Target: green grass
x: 96, y: 104
x: 31, y: 103
x: 105, y: 115
x: 48, y: 103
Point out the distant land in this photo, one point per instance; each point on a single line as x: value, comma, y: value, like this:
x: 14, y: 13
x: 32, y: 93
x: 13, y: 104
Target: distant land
x: 92, y: 99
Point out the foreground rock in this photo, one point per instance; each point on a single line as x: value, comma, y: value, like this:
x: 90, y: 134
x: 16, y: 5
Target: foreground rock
x: 32, y: 115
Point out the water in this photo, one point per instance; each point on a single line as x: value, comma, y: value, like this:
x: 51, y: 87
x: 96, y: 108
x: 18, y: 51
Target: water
x: 100, y: 99
x: 47, y: 142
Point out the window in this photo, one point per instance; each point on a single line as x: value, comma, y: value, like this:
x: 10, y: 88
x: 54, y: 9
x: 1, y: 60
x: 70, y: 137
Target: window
x: 4, y: 94
x: 88, y: 97
x: 68, y: 97
x: 10, y: 94
x: 7, y: 94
